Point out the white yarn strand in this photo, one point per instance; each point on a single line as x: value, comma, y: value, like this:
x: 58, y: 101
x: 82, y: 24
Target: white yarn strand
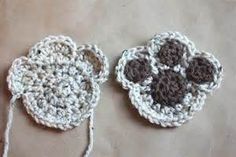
x: 8, y: 126
x: 90, y: 144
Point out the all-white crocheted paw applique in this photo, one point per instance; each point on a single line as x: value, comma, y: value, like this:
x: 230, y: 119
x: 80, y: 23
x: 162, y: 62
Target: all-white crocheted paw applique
x: 168, y: 79
x: 59, y: 81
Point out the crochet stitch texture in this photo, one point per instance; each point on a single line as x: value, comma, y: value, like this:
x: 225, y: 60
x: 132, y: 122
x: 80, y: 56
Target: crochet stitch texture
x: 177, y: 82
x: 58, y: 82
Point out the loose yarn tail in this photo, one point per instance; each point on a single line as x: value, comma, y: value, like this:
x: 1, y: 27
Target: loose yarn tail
x: 8, y: 126
x: 90, y: 145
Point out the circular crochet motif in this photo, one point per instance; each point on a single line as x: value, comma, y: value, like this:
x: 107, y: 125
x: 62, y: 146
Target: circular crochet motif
x: 178, y: 82
x: 168, y: 88
x: 59, y: 81
x: 137, y: 70
x: 171, y: 52
x: 200, y: 70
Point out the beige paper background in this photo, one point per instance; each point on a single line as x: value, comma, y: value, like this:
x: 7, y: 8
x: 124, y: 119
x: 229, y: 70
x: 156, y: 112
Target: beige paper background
x: 114, y: 26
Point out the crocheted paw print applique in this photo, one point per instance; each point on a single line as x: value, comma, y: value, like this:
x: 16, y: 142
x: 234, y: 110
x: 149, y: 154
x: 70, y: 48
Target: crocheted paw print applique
x: 168, y: 80
x: 58, y: 82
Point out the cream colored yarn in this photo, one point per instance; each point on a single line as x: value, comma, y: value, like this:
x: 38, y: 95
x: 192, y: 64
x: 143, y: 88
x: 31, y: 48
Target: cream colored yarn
x: 58, y: 82
x: 167, y: 116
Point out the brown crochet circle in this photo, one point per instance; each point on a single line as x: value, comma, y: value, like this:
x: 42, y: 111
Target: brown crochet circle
x: 137, y: 70
x: 171, y: 52
x: 200, y: 70
x: 168, y: 88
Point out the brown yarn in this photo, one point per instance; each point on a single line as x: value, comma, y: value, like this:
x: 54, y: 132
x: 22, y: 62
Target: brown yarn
x: 137, y: 70
x: 200, y: 70
x: 168, y: 88
x: 171, y: 52
x: 90, y: 56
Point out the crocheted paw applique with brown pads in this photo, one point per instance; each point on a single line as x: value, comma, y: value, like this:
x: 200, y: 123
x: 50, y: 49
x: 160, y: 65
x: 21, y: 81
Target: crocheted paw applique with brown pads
x: 168, y: 79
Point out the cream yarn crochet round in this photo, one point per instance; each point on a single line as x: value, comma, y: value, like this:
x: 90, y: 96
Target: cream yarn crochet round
x: 139, y: 92
x: 59, y: 81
